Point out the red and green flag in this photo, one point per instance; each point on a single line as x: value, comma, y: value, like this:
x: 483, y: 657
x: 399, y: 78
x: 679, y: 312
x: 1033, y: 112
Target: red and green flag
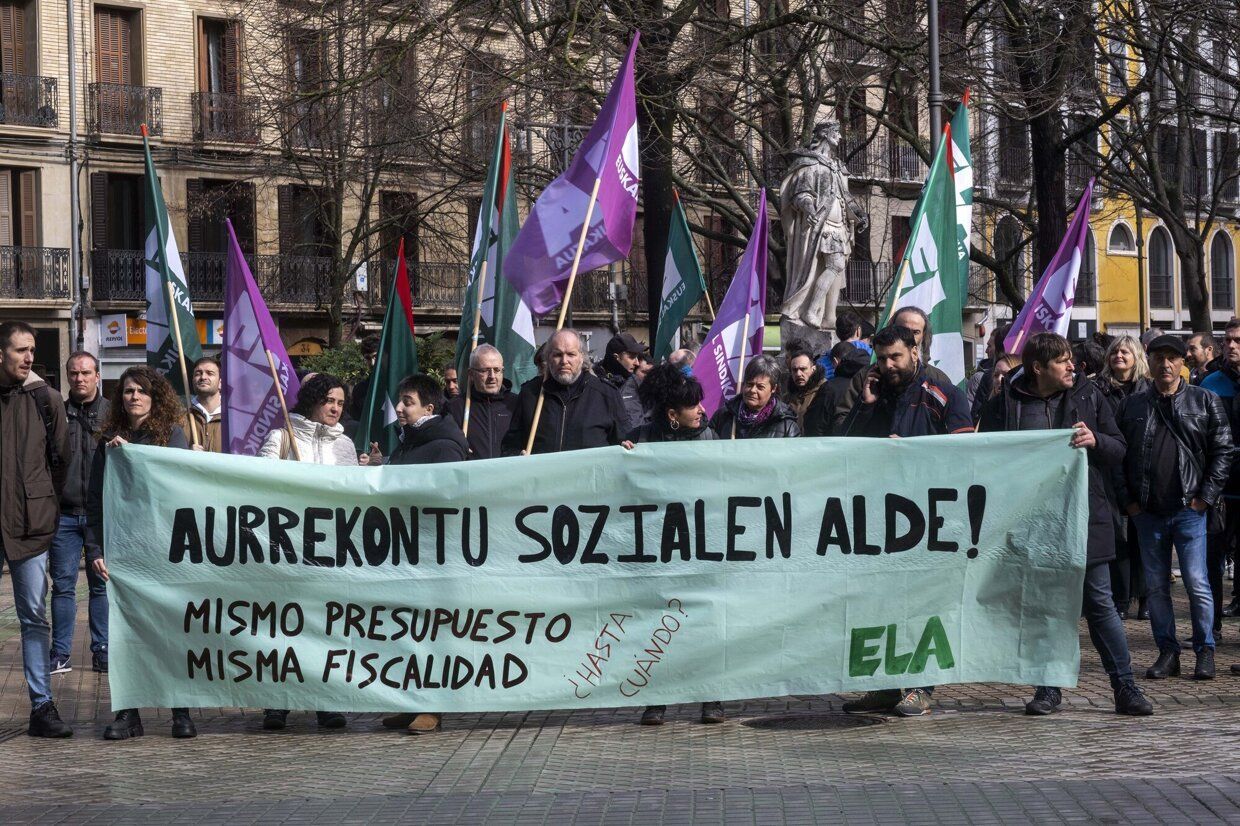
x: 398, y: 357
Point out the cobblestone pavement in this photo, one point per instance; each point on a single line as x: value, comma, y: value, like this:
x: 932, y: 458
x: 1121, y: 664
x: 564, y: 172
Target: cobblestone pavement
x: 777, y: 760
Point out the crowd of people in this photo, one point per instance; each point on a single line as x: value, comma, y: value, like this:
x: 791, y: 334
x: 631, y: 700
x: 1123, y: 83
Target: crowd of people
x: 1156, y: 416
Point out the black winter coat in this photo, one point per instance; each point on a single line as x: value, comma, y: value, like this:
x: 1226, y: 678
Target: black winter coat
x: 84, y: 421
x: 1084, y: 402
x: 660, y: 432
x: 781, y: 424
x: 490, y: 416
x: 1201, y: 421
x: 438, y: 440
x: 814, y: 405
x: 584, y: 414
x: 926, y: 407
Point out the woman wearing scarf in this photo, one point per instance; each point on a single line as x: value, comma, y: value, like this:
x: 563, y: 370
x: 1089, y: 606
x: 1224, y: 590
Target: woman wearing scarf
x: 757, y: 411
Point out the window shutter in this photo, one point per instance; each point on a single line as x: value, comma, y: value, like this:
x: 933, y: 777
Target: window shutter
x: 6, y: 208
x: 29, y: 204
x: 232, y: 58
x: 13, y: 38
x: 243, y: 216
x: 196, y: 206
x: 288, y: 221
x: 99, y: 210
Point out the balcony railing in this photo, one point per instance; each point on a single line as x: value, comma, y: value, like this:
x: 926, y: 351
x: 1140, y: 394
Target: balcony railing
x: 1013, y: 165
x: 117, y: 109
x: 903, y: 162
x: 27, y: 100
x: 865, y: 281
x: 224, y: 118
x: 34, y: 273
x: 119, y: 275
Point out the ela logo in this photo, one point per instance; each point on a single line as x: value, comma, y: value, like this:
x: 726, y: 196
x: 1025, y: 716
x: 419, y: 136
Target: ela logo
x: 864, y: 657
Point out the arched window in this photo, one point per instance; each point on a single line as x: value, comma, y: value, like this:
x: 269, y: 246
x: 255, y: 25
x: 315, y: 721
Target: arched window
x: 1121, y: 239
x: 1162, y: 269
x: 1087, y: 281
x: 1222, y: 273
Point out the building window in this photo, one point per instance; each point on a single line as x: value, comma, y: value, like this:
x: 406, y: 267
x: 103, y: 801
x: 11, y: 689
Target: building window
x: 19, y: 208
x: 117, y: 211
x: 117, y: 52
x: 1087, y: 280
x: 1121, y: 239
x: 304, y: 229
x: 1222, y: 274
x: 18, y: 43
x: 209, y: 202
x: 1162, y: 269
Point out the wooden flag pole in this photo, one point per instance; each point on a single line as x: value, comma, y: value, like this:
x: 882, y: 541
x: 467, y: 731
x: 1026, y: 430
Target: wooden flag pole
x: 740, y: 375
x: 176, y: 329
x: 473, y: 342
x: 288, y: 422
x: 710, y: 306
x: 559, y: 324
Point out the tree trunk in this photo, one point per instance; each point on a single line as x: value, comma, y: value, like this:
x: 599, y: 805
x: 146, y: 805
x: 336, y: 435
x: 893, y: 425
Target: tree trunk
x: 655, y: 128
x: 1049, y: 163
x: 1190, y: 249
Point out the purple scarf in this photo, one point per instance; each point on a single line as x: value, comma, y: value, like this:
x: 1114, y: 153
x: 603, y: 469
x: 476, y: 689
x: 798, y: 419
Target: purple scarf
x: 749, y: 420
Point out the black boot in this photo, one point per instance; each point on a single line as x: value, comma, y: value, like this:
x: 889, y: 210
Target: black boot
x: 127, y: 724
x: 1045, y: 701
x: 182, y: 725
x: 653, y: 715
x: 331, y: 719
x: 1129, y: 700
x: 45, y: 722
x: 1205, y: 665
x: 1167, y: 665
x: 274, y: 719
x: 713, y: 712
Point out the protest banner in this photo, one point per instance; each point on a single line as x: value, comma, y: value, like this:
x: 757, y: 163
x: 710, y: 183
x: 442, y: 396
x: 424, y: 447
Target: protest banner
x: 669, y: 573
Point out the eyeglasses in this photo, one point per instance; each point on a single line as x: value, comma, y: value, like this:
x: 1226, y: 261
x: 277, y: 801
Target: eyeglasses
x: 487, y: 371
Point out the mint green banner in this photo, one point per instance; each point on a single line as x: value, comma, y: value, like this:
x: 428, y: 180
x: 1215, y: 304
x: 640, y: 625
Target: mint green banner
x: 670, y: 573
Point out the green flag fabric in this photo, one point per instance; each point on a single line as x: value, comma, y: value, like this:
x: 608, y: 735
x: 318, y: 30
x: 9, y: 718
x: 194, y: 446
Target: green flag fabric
x: 933, y: 273
x: 505, y: 322
x: 397, y: 358
x: 758, y: 568
x: 163, y: 267
x: 683, y: 286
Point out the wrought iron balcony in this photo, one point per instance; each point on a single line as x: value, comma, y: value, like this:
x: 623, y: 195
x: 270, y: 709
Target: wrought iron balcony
x: 865, y: 281
x: 1013, y: 166
x: 34, y: 273
x: 117, y: 109
x: 903, y: 162
x: 224, y: 118
x: 27, y: 100
x: 119, y: 275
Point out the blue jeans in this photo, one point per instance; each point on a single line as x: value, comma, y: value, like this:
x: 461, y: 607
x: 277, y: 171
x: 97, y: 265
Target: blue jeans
x: 1187, y: 531
x: 1106, y: 629
x: 66, y: 558
x: 30, y: 596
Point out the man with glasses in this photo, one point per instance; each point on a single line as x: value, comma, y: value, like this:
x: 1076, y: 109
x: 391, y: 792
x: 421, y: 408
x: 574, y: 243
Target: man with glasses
x: 491, y: 405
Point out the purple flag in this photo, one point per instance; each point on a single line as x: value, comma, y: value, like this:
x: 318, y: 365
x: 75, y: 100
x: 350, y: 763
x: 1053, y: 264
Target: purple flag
x: 1049, y: 308
x: 251, y: 406
x: 541, y: 257
x: 717, y: 365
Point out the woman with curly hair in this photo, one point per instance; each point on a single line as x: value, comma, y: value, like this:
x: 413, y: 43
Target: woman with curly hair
x: 674, y: 399
x: 316, y: 427
x: 145, y: 411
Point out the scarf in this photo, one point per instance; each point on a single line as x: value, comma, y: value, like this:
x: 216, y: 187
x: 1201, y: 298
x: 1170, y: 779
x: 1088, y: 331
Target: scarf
x: 748, y: 420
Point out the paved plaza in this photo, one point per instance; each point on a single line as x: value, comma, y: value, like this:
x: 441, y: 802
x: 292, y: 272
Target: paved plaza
x: 796, y: 760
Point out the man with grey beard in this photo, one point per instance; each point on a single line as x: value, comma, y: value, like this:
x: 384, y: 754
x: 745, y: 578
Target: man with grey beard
x: 579, y: 409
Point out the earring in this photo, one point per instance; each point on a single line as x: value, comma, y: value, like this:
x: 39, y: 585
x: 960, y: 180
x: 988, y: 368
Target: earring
x: 674, y: 425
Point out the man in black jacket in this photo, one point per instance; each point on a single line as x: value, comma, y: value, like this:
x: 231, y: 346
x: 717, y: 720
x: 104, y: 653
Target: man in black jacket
x: 86, y: 408
x: 1179, y: 456
x: 620, y: 369
x: 426, y: 437
x: 1046, y: 395
x: 807, y: 393
x: 579, y: 409
x: 489, y: 403
x: 1202, y: 358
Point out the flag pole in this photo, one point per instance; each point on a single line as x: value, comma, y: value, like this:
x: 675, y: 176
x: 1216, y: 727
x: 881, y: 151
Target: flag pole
x: 288, y: 422
x: 374, y: 371
x: 568, y: 296
x: 176, y: 328
x: 740, y: 375
x: 473, y: 342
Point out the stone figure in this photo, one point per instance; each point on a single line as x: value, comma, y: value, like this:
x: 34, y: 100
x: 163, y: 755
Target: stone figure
x: 819, y: 216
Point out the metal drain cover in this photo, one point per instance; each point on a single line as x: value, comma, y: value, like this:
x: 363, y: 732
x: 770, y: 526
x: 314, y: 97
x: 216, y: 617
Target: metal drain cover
x: 815, y: 722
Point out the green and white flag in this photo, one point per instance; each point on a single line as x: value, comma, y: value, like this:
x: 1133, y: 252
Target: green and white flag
x: 683, y: 286
x: 506, y: 322
x: 397, y: 358
x: 934, y: 270
x: 163, y: 267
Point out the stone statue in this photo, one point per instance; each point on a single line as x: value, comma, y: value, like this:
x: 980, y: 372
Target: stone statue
x: 819, y: 216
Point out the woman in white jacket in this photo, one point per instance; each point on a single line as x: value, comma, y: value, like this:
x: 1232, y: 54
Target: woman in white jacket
x: 316, y: 426
x: 320, y: 439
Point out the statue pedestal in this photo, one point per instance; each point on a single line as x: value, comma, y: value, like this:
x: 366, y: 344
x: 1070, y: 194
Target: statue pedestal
x: 818, y: 341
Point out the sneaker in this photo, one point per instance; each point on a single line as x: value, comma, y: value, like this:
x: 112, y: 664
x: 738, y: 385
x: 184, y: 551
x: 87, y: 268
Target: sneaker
x: 1129, y: 700
x: 1045, y: 701
x: 1167, y: 665
x: 713, y: 713
x: 653, y: 715
x: 182, y: 724
x: 884, y: 700
x: 45, y: 722
x: 99, y: 662
x: 331, y: 719
x: 274, y: 719
x: 915, y: 703
x: 61, y: 665
x: 128, y: 723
